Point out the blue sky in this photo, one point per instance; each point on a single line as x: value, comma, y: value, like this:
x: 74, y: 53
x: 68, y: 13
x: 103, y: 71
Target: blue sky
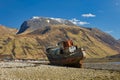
x: 102, y: 14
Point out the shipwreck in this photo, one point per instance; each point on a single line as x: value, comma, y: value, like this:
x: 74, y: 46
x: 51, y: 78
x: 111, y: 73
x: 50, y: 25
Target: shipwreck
x: 66, y: 54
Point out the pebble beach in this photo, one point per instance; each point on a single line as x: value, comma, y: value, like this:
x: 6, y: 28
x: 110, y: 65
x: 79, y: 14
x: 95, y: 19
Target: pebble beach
x: 28, y: 71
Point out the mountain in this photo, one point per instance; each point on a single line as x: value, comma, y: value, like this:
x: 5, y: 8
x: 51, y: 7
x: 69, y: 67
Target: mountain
x: 37, y: 22
x: 38, y: 33
x: 4, y: 30
x: 118, y: 40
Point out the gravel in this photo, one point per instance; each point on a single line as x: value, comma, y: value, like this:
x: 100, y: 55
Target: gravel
x: 49, y: 72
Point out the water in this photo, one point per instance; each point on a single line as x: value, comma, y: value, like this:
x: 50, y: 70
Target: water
x: 113, y: 62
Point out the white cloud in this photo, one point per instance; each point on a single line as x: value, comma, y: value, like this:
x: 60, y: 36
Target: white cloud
x: 78, y: 22
x: 88, y: 15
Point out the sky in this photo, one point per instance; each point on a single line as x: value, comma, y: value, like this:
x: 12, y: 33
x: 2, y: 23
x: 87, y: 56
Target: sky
x: 101, y: 14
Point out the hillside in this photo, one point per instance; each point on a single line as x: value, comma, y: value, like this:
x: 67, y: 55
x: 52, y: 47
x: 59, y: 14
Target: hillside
x: 118, y: 40
x: 37, y: 34
x: 5, y: 31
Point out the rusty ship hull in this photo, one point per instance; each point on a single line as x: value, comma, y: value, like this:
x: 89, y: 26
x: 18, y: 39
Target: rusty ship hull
x: 71, y: 59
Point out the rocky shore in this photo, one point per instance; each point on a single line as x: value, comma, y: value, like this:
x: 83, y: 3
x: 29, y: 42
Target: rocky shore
x: 28, y: 71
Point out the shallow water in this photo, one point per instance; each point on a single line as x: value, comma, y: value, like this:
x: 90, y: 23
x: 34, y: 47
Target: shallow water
x: 113, y: 62
x: 104, y: 66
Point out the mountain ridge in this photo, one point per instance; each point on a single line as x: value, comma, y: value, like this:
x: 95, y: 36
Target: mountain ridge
x: 31, y: 42
x: 37, y: 22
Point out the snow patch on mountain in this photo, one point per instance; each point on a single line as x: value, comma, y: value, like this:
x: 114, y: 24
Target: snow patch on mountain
x: 35, y: 17
x: 48, y: 21
x: 78, y: 22
x: 59, y: 20
x: 49, y: 18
